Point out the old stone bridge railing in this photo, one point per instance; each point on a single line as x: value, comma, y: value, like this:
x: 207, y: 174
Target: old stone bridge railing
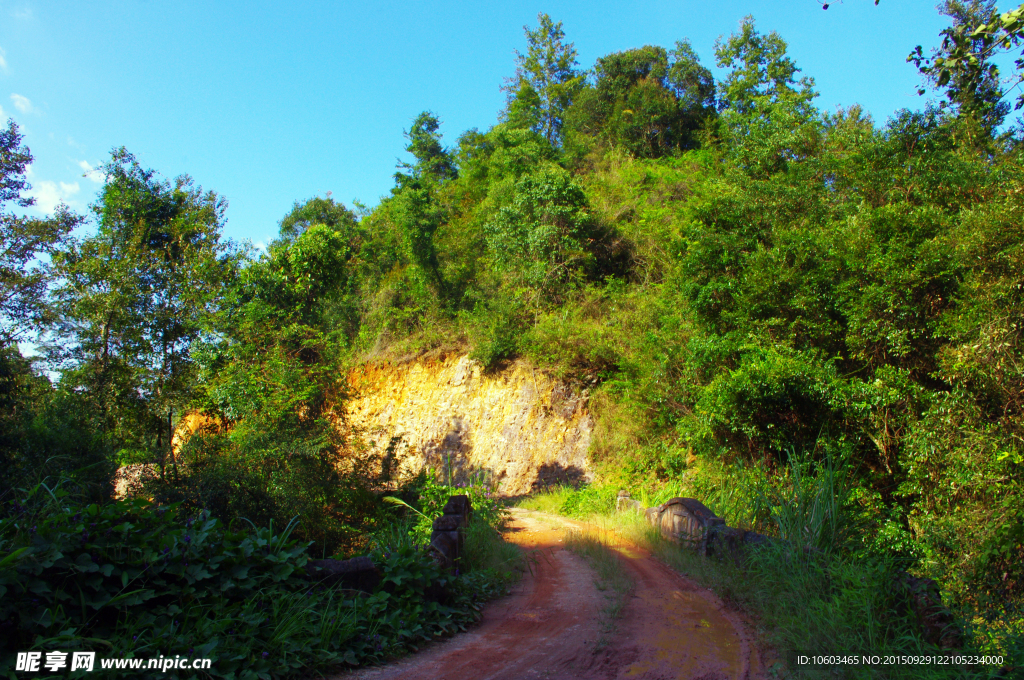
x: 691, y: 524
x: 447, y: 544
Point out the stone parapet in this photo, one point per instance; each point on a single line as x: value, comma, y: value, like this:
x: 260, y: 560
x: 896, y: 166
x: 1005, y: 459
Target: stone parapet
x: 686, y: 521
x: 693, y: 525
x: 447, y: 543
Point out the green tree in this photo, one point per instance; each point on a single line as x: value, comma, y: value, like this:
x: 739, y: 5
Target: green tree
x: 641, y: 110
x: 693, y: 84
x: 414, y: 207
x: 761, y: 71
x: 964, y: 59
x: 272, y: 374
x: 136, y: 298
x: 23, y: 279
x: 768, y: 120
x: 643, y: 103
x: 973, y: 84
x: 546, y: 80
x: 545, y: 239
x: 317, y: 211
x: 433, y: 161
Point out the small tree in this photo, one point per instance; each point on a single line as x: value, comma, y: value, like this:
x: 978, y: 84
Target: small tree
x: 644, y: 103
x: 414, y: 206
x: 767, y: 116
x: 546, y: 80
x: 433, y: 161
x: 23, y: 278
x: 761, y: 71
x: 317, y: 210
x: 137, y: 296
x: 971, y: 80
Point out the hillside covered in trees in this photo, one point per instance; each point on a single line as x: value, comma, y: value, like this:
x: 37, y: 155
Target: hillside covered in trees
x: 748, y: 285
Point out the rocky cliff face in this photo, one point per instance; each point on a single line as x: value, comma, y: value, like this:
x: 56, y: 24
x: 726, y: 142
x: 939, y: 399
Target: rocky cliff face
x: 517, y: 427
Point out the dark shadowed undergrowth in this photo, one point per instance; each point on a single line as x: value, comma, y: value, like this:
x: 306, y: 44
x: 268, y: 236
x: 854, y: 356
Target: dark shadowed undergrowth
x: 131, y: 579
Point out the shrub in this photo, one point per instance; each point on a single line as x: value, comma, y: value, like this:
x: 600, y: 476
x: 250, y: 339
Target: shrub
x: 133, y: 580
x: 589, y: 500
x: 775, y: 399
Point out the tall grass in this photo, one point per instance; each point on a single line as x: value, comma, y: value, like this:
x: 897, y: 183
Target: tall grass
x: 812, y: 510
x: 817, y: 591
x: 810, y: 594
x: 488, y: 551
x: 550, y: 500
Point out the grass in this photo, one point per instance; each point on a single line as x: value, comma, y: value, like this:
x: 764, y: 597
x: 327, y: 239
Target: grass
x: 488, y: 551
x: 550, y: 501
x: 609, y: 576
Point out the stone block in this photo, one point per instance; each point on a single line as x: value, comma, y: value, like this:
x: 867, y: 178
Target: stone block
x: 730, y: 542
x: 447, y: 523
x: 448, y: 535
x: 624, y: 503
x: 459, y: 506
x: 688, y: 522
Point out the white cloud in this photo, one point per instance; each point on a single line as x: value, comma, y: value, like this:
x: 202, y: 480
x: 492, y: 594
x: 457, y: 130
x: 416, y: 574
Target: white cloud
x: 49, y: 194
x: 22, y: 103
x: 72, y: 142
x: 1, y: 112
x: 94, y: 174
x: 3, y: 61
x: 22, y: 13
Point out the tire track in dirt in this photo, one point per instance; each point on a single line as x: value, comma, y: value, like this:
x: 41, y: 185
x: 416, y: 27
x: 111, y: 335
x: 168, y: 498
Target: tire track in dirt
x: 549, y: 626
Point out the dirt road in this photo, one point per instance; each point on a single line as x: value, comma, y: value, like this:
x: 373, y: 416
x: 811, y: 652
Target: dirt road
x: 550, y: 626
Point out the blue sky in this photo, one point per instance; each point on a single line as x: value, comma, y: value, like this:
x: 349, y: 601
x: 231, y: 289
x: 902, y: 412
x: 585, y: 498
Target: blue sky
x: 269, y: 103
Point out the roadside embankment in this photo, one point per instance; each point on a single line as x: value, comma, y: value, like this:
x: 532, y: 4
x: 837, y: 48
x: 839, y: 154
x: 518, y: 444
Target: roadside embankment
x: 516, y: 426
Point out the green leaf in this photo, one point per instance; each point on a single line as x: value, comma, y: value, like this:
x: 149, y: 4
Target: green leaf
x: 13, y: 557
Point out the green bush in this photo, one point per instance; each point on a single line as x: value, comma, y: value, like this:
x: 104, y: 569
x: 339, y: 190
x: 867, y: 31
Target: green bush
x: 434, y: 495
x: 775, y: 399
x: 589, y: 500
x: 131, y: 579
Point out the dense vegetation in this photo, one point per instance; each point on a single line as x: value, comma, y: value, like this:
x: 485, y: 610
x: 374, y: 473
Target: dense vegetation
x: 745, y: 284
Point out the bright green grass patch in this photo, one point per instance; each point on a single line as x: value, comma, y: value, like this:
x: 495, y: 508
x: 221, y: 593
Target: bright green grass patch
x: 550, y: 500
x: 572, y: 502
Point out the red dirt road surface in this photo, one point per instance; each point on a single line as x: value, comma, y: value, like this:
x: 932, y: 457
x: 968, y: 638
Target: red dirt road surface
x: 551, y: 627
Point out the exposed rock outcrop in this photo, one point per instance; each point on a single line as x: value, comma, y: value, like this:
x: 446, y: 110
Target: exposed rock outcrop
x: 517, y: 426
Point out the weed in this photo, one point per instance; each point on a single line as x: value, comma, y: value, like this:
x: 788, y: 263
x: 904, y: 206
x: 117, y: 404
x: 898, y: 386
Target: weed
x: 550, y: 500
x: 609, y: 576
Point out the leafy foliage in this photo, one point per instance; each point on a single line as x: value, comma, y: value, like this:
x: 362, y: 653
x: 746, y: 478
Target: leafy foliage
x: 131, y: 579
x: 23, y: 281
x: 546, y: 80
x: 645, y: 105
x: 135, y: 299
x: 746, y: 287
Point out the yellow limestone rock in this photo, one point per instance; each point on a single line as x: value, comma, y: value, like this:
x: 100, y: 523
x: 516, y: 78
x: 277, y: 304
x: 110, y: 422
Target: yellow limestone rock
x: 517, y: 426
x: 130, y: 475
